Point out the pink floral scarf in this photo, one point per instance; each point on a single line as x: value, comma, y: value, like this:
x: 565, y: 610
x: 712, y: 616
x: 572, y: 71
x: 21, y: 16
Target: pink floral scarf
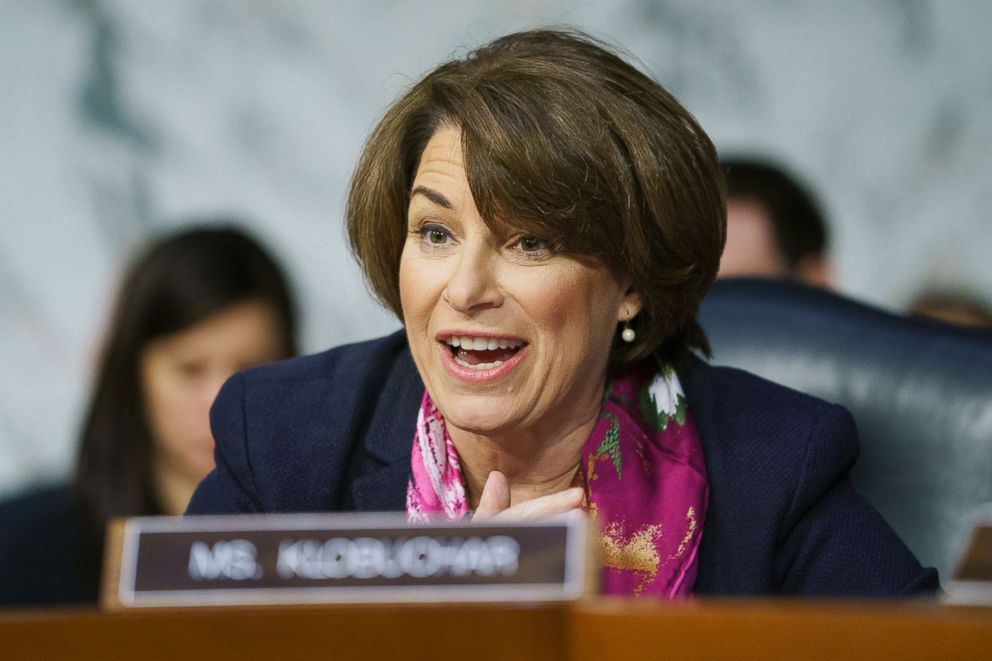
x: 642, y: 469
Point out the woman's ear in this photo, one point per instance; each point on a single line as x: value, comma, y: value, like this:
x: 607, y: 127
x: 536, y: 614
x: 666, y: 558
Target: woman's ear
x: 630, y: 305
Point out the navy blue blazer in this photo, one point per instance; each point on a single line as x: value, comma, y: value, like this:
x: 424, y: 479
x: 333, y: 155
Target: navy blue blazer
x: 334, y: 431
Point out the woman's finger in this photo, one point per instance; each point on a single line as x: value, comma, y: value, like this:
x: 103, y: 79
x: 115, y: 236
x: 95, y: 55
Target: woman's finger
x: 495, y: 497
x: 556, y: 503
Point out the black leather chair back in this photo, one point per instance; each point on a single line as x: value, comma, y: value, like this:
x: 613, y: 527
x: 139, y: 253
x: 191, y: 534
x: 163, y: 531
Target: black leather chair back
x: 920, y: 391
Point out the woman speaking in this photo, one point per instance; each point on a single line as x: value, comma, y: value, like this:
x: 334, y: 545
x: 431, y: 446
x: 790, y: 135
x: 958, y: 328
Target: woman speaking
x: 545, y: 220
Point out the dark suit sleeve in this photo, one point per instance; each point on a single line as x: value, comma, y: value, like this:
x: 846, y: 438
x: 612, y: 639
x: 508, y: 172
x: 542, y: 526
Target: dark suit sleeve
x: 230, y: 486
x: 832, y: 540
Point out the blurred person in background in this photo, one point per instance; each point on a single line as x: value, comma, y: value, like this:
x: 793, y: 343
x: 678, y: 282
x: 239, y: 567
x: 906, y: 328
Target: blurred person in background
x: 195, y: 308
x: 775, y: 227
x: 958, y: 307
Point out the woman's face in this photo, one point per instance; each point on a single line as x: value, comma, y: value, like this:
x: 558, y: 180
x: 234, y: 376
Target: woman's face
x: 506, y: 333
x: 181, y: 374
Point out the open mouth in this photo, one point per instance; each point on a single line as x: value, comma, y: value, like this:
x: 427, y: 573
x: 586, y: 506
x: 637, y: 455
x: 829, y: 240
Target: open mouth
x: 482, y: 352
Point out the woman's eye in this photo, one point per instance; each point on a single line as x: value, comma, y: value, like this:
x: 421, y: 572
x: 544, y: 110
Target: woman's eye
x: 191, y: 368
x: 534, y: 245
x: 434, y: 235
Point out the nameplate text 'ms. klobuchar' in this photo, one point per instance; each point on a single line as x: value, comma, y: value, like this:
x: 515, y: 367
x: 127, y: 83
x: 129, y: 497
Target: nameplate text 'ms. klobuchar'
x: 339, y: 558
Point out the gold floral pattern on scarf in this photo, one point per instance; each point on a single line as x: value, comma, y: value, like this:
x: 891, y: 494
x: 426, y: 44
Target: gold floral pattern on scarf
x: 637, y: 553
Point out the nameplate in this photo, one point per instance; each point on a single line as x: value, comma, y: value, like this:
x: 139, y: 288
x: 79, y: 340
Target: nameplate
x: 971, y: 584
x: 341, y: 558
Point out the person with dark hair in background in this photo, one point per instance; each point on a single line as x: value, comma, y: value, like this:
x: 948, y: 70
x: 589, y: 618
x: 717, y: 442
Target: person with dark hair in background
x: 956, y: 306
x: 195, y: 308
x: 775, y: 227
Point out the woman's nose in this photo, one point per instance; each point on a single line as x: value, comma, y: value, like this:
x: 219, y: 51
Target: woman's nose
x: 473, y: 284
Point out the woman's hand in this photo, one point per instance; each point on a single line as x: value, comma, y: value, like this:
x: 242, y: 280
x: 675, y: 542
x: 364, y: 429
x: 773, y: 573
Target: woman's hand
x: 495, y: 502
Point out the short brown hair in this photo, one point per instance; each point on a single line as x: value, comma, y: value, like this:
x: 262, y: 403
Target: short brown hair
x: 564, y: 139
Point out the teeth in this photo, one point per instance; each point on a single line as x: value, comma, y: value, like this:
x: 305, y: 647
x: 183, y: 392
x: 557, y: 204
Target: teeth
x: 479, y: 366
x: 482, y: 343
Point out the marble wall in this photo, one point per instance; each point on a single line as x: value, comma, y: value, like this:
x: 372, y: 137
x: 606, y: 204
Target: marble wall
x: 119, y: 118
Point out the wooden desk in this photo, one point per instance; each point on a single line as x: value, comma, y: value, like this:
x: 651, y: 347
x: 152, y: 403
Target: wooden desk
x: 795, y: 630
x: 589, y: 631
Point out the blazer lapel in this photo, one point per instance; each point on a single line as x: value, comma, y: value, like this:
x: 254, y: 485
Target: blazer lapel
x: 389, y: 440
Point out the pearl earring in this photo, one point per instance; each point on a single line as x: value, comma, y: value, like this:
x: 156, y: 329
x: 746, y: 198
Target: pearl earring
x: 628, y: 333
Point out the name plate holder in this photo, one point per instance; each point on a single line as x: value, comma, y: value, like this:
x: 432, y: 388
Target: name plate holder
x: 971, y: 584
x: 266, y: 559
